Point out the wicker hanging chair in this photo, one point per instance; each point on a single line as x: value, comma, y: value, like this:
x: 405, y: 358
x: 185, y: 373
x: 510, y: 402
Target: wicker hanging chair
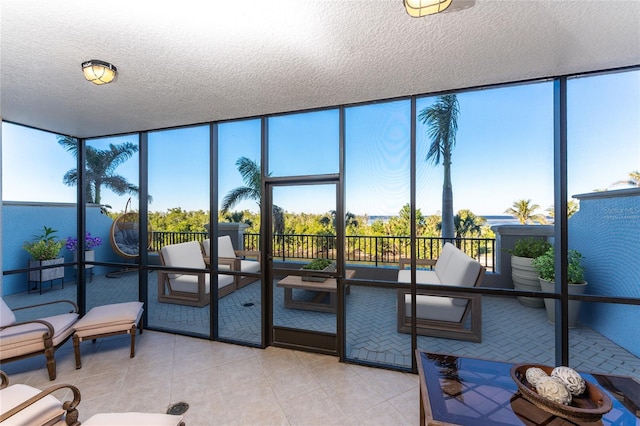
x: 124, y: 234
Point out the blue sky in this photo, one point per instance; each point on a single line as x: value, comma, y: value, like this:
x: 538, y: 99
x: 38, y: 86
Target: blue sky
x: 503, y: 153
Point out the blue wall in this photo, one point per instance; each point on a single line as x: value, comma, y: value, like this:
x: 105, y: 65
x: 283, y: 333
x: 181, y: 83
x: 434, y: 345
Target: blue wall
x: 606, y: 231
x: 21, y: 221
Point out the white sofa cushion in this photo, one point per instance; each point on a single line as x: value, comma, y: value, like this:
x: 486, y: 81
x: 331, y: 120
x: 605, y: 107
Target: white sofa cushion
x: 7, y: 317
x: 46, y: 411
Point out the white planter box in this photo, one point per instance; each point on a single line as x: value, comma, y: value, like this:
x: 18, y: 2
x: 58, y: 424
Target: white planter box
x: 46, y: 274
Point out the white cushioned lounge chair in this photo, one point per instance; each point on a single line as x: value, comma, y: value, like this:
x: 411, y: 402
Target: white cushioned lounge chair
x: 441, y: 312
x: 188, y: 287
x: 22, y: 405
x: 39, y: 336
x: 230, y: 259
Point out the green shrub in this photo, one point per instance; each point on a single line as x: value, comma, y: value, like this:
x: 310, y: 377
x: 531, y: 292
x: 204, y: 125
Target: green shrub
x: 545, y: 266
x: 530, y: 247
x: 45, y: 246
x: 317, y: 264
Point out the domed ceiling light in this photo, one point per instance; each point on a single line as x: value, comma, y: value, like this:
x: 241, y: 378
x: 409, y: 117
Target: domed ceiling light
x: 99, y: 72
x: 418, y: 8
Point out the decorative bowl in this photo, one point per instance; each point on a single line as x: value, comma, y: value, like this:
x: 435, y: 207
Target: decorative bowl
x: 588, y: 407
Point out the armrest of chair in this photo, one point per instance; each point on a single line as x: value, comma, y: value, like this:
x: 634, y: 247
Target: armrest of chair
x: 248, y: 253
x: 71, y: 416
x: 405, y: 261
x: 232, y: 262
x: 47, y: 335
x: 75, y: 307
x: 5, y: 380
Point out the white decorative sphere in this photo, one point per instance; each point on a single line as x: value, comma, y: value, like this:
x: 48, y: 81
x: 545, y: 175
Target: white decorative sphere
x: 554, y: 390
x: 534, y: 374
x: 571, y: 379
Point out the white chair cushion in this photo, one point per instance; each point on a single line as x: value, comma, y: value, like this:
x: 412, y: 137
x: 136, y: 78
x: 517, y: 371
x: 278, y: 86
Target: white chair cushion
x: 46, y: 411
x: 206, y: 247
x: 225, y: 247
x: 422, y: 277
x: 250, y: 266
x: 443, y: 260
x: 183, y: 255
x: 109, y: 318
x: 189, y: 283
x: 462, y: 271
x: 27, y: 338
x: 133, y: 419
x: 435, y: 308
x: 7, y: 317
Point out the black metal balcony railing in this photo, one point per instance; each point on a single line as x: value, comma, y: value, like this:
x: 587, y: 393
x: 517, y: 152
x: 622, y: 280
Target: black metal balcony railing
x: 371, y: 250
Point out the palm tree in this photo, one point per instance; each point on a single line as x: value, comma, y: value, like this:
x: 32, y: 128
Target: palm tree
x: 100, y: 168
x: 524, y: 211
x: 467, y: 223
x: 634, y: 179
x: 252, y: 177
x: 572, y: 208
x: 442, y: 121
x: 252, y: 190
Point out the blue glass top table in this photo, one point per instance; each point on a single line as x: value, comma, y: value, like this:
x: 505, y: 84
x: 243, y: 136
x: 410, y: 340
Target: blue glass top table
x: 458, y: 390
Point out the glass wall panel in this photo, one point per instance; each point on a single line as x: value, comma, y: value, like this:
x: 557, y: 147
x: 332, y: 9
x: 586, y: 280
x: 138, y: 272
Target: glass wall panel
x: 377, y: 179
x: 178, y: 212
x: 304, y: 144
x: 112, y: 219
x: 604, y: 188
x: 304, y: 232
x: 603, y: 348
x: 484, y: 165
x: 239, y: 191
x: 38, y: 214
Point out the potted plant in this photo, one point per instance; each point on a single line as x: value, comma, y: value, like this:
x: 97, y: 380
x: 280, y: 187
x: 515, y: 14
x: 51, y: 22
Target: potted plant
x: 523, y: 274
x: 89, y: 244
x: 45, y: 250
x: 324, y: 265
x: 545, y: 265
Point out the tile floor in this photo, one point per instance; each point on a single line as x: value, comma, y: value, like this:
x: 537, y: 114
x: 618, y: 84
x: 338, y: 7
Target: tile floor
x: 226, y: 384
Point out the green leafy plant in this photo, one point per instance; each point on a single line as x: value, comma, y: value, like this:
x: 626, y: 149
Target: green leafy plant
x: 44, y: 246
x: 545, y: 265
x: 530, y: 247
x: 317, y: 264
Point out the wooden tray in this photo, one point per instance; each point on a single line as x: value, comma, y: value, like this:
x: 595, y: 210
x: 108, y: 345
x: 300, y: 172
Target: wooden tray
x: 588, y: 407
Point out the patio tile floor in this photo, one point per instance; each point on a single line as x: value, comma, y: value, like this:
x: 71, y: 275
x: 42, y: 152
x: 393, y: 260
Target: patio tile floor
x: 511, y: 332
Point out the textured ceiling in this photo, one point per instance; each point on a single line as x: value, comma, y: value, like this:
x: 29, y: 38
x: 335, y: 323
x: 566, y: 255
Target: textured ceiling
x: 185, y: 62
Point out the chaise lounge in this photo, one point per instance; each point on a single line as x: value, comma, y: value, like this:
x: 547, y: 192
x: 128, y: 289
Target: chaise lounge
x: 443, y: 313
x: 23, y: 339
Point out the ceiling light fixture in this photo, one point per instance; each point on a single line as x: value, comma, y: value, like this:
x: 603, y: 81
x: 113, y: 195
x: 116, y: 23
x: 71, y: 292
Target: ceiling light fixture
x: 99, y: 72
x: 418, y: 8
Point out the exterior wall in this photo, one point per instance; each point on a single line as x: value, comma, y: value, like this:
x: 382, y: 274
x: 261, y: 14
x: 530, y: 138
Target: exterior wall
x: 22, y: 220
x: 606, y: 231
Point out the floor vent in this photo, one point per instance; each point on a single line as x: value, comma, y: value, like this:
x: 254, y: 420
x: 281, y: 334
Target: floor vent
x: 177, y: 409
